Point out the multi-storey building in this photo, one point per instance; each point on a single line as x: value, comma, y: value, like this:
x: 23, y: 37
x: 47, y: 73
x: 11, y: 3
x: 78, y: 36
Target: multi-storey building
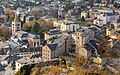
x: 56, y: 46
x: 83, y: 35
x: 16, y: 25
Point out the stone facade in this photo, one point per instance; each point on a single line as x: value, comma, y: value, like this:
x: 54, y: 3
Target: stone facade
x: 48, y: 53
x: 83, y: 35
x: 52, y: 33
x: 58, y: 47
x: 16, y: 25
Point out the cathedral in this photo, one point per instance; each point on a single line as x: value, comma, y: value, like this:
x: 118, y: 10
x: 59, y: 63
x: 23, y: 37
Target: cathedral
x: 22, y: 39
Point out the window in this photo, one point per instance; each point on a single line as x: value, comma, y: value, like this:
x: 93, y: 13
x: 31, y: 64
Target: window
x: 18, y: 25
x: 73, y: 28
x: 37, y: 43
x: 34, y: 44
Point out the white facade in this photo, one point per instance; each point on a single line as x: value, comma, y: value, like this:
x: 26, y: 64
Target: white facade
x: 18, y: 66
x: 25, y: 61
x: 104, y: 18
x: 68, y: 26
x: 98, y: 22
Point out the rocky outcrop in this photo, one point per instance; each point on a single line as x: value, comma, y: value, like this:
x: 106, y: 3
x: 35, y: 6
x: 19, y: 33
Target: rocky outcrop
x: 112, y: 64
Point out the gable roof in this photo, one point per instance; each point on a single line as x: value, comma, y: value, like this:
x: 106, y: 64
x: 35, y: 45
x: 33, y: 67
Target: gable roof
x: 117, y: 44
x: 36, y: 56
x: 88, y: 47
x: 1, y: 67
x: 93, y: 43
x: 52, y: 47
x: 12, y: 58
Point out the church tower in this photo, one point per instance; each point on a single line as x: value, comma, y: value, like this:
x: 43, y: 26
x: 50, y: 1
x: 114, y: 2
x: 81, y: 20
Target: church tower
x: 16, y: 24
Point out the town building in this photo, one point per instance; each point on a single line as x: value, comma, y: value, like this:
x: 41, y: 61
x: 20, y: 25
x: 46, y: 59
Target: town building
x: 56, y: 46
x: 27, y: 52
x: 24, y: 39
x: 104, y: 18
x: 84, y: 14
x: 66, y: 25
x: 89, y: 49
x: 52, y: 33
x: 83, y: 35
x: 16, y: 25
x: 25, y: 61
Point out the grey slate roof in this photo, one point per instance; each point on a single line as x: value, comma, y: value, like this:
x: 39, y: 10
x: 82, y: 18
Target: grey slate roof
x: 1, y: 67
x: 36, y: 56
x: 93, y: 43
x: 53, y: 47
x: 21, y: 50
x: 88, y: 47
x: 12, y: 58
x: 12, y: 44
x: 117, y: 44
x: 53, y: 32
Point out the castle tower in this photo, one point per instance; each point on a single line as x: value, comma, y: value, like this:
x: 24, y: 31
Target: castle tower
x: 16, y: 24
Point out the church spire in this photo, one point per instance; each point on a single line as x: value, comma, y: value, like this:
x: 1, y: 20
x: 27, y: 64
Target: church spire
x: 16, y: 18
x: 16, y: 24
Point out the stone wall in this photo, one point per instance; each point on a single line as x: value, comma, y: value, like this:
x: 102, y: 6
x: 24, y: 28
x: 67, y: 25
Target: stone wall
x: 113, y: 62
x: 47, y: 63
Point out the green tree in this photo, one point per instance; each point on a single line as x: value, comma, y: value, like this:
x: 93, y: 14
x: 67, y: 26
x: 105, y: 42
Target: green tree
x: 103, y: 44
x: 67, y: 6
x: 5, y: 32
x: 25, y: 70
x: 35, y: 28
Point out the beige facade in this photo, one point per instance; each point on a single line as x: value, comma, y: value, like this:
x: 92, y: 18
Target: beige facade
x: 46, y: 53
x: 83, y: 52
x: 57, y: 47
x: 52, y: 33
x: 69, y: 26
x: 33, y: 40
x: 66, y: 25
x: 57, y: 23
x: 47, y: 36
x: 83, y: 35
x: 97, y: 60
x: 16, y: 25
x: 84, y: 14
